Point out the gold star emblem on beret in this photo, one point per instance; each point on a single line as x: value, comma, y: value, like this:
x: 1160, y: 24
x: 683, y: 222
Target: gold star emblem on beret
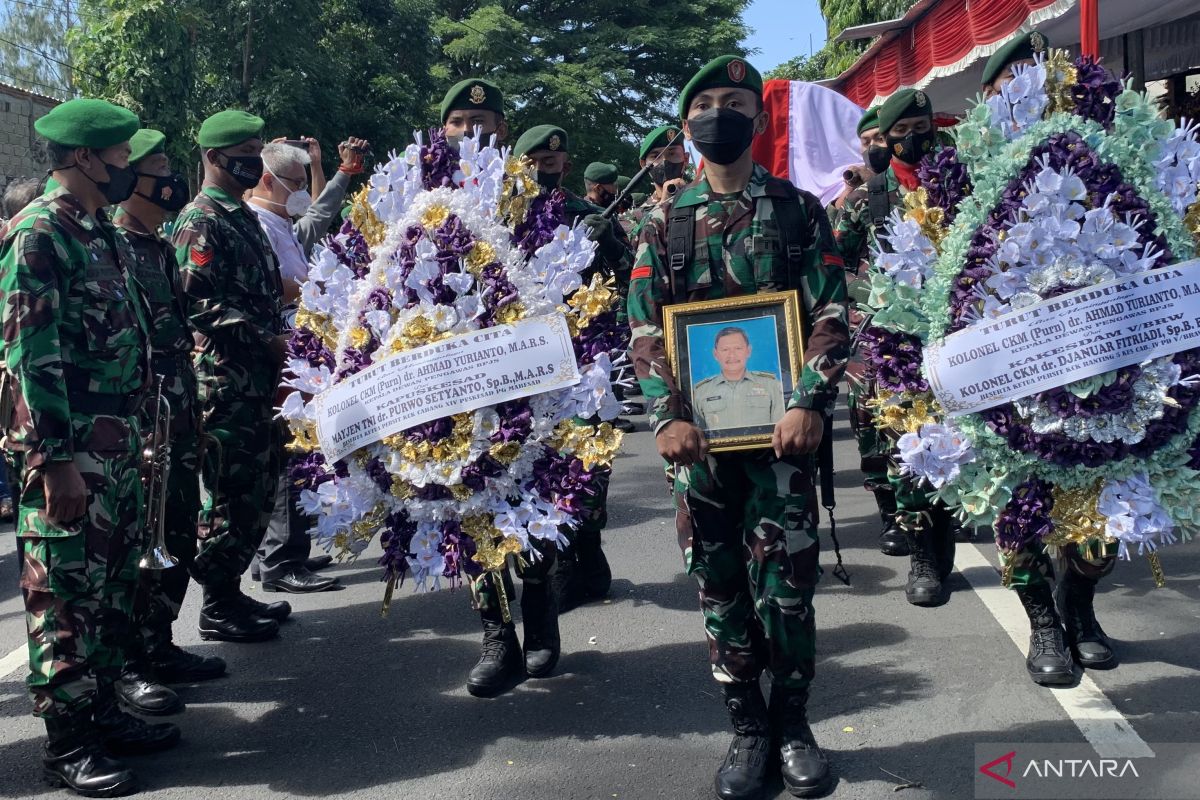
x: 1037, y: 42
x: 920, y: 99
x: 478, y: 94
x: 554, y: 142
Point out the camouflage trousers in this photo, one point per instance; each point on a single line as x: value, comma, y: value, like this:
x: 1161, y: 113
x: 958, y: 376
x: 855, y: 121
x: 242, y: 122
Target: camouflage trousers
x: 79, y: 587
x: 243, y: 456
x: 916, y: 511
x: 873, y: 445
x: 1033, y: 566
x: 747, y: 525
x: 162, y: 592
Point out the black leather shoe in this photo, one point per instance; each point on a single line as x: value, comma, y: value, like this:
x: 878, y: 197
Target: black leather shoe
x: 500, y: 663
x: 318, y: 563
x: 300, y: 581
x: 1049, y: 661
x: 743, y: 773
x: 892, y: 541
x: 173, y: 664
x: 945, y: 538
x: 539, y: 613
x: 74, y: 759
x: 803, y: 764
x: 141, y: 693
x: 228, y: 620
x: 278, y: 611
x: 126, y: 735
x: 1086, y: 638
x: 624, y: 425
x: 924, y: 587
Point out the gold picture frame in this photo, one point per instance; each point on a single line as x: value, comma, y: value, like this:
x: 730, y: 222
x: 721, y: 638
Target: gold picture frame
x: 736, y: 410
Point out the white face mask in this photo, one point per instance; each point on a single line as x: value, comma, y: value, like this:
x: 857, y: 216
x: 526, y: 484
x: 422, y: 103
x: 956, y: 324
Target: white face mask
x: 299, y: 200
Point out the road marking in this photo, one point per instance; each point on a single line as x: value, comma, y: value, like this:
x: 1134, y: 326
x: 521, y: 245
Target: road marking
x: 1105, y: 728
x: 11, y: 662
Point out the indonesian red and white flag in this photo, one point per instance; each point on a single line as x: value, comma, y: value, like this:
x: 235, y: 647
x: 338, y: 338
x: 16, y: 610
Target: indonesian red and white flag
x: 811, y: 138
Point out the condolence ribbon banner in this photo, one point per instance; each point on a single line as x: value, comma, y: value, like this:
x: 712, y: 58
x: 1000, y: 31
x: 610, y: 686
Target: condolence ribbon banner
x: 452, y: 376
x: 1050, y: 770
x: 1068, y: 338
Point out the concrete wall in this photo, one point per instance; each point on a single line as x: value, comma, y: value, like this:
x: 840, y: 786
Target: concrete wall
x: 20, y: 153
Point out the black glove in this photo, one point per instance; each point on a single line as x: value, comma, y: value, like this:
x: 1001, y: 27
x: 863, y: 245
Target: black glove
x: 600, y: 231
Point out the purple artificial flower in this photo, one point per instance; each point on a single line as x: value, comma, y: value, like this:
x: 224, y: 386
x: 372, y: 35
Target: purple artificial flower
x: 1095, y: 91
x: 893, y: 360
x: 378, y: 473
x: 351, y: 249
x: 562, y: 480
x: 946, y: 181
x: 1026, y: 517
x: 516, y: 421
x: 439, y: 161
x: 398, y: 532
x: 432, y: 432
x: 306, y: 345
x: 546, y: 212
x: 309, y: 471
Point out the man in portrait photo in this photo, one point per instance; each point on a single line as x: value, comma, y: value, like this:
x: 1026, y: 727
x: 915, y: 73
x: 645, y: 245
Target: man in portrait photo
x: 736, y: 397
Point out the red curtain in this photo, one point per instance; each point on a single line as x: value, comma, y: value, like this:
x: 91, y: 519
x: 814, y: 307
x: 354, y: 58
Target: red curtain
x: 943, y: 35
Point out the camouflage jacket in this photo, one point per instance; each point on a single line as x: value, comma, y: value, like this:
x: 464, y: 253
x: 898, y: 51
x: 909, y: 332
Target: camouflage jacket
x: 577, y: 208
x: 638, y: 215
x: 171, y: 341
x: 76, y: 338
x: 853, y: 229
x: 724, y: 266
x: 230, y: 280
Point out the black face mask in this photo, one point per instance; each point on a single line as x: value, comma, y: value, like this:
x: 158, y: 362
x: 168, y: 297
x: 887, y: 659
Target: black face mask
x: 246, y: 170
x: 721, y: 134
x: 119, y: 186
x: 912, y: 148
x: 605, y: 198
x: 665, y: 171
x: 170, y: 192
x: 877, y: 158
x: 549, y: 180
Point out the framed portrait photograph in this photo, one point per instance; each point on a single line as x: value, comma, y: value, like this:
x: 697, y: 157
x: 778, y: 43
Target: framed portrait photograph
x: 736, y: 361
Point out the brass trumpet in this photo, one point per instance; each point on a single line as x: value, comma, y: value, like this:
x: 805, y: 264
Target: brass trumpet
x: 157, y: 458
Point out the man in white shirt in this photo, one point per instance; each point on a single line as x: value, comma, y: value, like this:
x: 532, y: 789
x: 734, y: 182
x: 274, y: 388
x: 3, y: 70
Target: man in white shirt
x: 281, y: 196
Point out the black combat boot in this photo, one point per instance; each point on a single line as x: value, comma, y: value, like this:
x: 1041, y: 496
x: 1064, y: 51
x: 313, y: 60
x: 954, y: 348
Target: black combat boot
x: 1049, y: 662
x: 224, y: 618
x: 891, y: 538
x: 141, y: 692
x: 539, y: 612
x: 126, y: 735
x: 278, y: 611
x: 173, y: 664
x: 744, y: 771
x: 500, y: 662
x: 804, y: 766
x: 924, y: 587
x: 75, y: 759
x: 592, y: 572
x: 1088, y: 643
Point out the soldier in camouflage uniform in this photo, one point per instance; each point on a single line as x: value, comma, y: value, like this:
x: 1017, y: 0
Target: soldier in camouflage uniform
x: 906, y: 121
x: 854, y: 230
x: 747, y: 521
x: 154, y: 660
x: 1068, y: 602
x: 76, y: 369
x: 231, y: 283
x: 666, y: 174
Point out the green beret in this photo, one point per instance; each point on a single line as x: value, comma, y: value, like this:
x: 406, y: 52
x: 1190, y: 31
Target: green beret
x: 145, y: 142
x: 904, y: 103
x: 542, y: 137
x: 639, y: 198
x: 229, y: 127
x: 1020, y: 47
x: 87, y: 122
x: 659, y: 138
x: 723, y: 71
x: 471, y: 94
x: 622, y: 182
x: 870, y: 119
x: 599, y: 172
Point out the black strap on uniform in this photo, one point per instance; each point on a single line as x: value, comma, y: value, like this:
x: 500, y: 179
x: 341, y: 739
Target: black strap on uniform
x: 828, y: 501
x: 879, y: 199
x: 681, y: 242
x: 790, y: 221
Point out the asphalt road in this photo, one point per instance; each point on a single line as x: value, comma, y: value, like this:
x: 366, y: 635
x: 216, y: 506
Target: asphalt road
x: 349, y: 704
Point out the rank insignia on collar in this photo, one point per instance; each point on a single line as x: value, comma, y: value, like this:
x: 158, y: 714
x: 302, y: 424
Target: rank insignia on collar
x: 736, y: 70
x: 1037, y: 42
x: 478, y: 94
x: 554, y: 142
x: 920, y: 99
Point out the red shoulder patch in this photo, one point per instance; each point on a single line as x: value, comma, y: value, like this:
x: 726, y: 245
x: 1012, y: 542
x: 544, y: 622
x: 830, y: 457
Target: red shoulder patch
x: 641, y: 272
x: 201, y: 256
x: 833, y: 261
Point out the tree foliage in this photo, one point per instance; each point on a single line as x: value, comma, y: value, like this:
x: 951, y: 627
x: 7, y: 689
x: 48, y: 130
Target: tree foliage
x: 835, y: 57
x: 33, y: 45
